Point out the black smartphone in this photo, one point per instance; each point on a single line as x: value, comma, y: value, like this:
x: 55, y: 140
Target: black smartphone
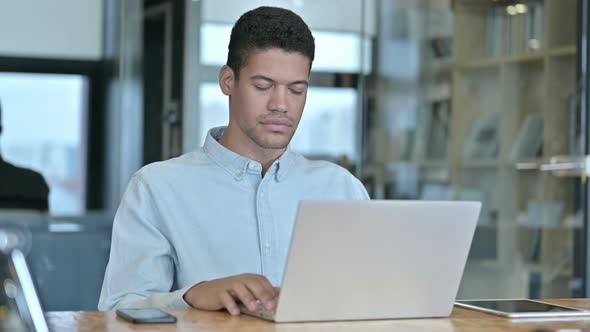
x: 146, y: 316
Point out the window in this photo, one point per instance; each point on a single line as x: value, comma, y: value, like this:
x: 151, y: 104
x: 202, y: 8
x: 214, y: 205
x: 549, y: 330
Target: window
x: 44, y: 117
x: 335, y: 51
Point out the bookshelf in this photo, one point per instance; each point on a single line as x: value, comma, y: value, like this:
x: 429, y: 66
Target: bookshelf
x: 478, y: 122
x: 513, y: 78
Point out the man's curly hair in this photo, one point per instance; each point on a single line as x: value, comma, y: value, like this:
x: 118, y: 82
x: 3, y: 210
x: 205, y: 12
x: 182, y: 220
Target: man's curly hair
x: 268, y: 27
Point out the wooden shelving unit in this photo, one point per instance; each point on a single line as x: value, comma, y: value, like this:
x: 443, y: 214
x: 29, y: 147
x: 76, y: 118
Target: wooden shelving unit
x: 518, y: 86
x: 454, y: 130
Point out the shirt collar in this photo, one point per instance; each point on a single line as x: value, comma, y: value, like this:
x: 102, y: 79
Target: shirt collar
x: 236, y: 164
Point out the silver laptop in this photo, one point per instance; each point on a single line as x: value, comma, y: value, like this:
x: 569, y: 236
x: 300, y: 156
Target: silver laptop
x: 359, y: 260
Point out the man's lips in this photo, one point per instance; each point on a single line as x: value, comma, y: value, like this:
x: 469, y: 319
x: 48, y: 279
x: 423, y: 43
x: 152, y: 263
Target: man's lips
x: 277, y: 124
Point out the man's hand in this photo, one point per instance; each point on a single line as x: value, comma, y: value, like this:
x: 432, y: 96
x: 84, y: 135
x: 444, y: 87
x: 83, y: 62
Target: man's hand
x: 223, y: 293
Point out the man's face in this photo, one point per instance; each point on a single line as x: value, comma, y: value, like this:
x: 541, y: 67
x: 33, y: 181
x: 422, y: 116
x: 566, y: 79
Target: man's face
x: 267, y: 100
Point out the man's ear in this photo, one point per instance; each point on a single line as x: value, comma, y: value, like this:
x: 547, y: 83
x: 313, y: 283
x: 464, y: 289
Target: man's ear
x: 226, y: 80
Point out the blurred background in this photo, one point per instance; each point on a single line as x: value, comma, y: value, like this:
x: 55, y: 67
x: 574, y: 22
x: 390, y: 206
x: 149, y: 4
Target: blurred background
x: 421, y: 99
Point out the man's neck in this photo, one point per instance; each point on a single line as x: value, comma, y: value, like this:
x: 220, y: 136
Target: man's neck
x: 264, y: 156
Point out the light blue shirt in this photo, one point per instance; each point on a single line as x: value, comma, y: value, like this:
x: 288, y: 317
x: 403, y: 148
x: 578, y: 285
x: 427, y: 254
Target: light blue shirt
x: 209, y: 214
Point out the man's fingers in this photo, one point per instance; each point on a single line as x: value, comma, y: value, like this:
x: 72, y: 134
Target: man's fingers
x: 268, y: 286
x: 241, y: 292
x: 229, y: 303
x: 263, y: 291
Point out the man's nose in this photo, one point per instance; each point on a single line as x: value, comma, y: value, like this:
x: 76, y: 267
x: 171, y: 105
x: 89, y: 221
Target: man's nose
x: 278, y: 100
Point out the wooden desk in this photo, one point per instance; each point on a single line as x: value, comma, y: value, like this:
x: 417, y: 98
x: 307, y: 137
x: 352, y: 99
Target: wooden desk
x: 195, y: 320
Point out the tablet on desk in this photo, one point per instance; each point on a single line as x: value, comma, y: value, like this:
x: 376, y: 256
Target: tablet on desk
x: 522, y: 308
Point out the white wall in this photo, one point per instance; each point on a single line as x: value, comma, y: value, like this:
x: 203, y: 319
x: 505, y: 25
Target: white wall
x: 62, y: 29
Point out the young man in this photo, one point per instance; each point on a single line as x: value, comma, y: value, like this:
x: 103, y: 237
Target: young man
x: 212, y: 227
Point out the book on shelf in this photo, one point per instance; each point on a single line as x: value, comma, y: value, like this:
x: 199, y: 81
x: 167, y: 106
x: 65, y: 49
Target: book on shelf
x: 482, y: 142
x: 514, y: 29
x: 529, y: 140
x: 439, y: 130
x: 431, y: 138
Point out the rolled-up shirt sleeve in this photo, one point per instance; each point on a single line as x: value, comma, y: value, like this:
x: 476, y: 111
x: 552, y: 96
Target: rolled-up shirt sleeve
x: 140, y: 271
